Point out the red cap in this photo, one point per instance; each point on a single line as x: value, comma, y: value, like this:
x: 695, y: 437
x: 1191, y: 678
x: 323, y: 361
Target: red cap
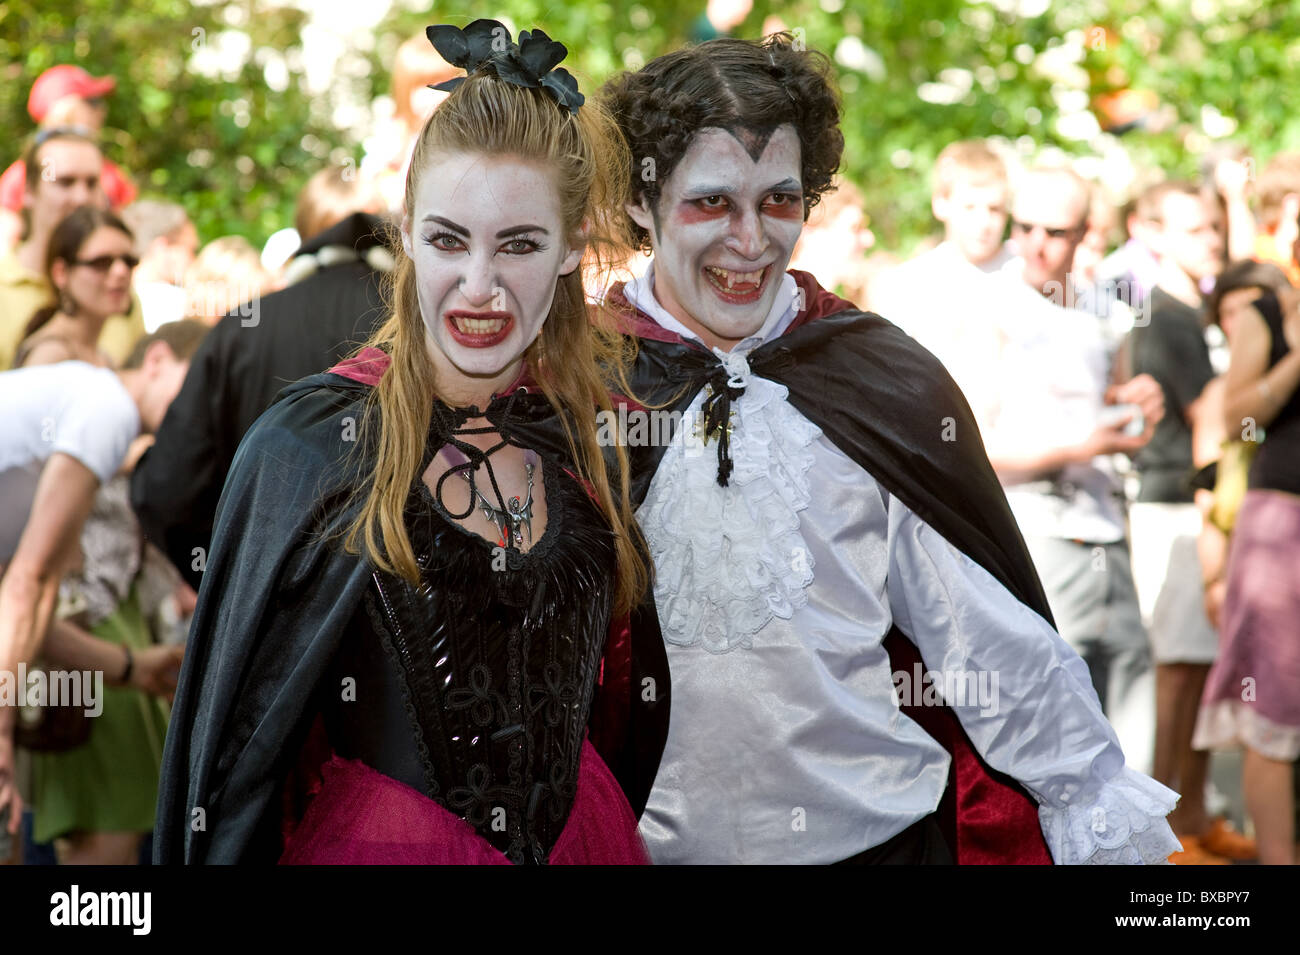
x: 65, y: 80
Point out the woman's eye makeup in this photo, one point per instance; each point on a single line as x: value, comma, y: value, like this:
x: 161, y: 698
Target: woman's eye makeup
x: 519, y: 246
x: 449, y: 242
x: 446, y: 241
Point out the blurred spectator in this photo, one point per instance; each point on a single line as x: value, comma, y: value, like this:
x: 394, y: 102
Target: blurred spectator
x: 835, y: 241
x: 1093, y: 293
x: 1096, y: 241
x: 63, y: 173
x: 942, y: 297
x: 88, y: 264
x: 1252, y: 696
x: 280, y: 246
x: 1048, y: 435
x: 96, y: 800
x: 226, y: 276
x: 69, y: 427
x: 165, y: 242
x: 1131, y: 270
x: 303, y: 329
x: 1278, y: 191
x: 73, y: 163
x: 63, y: 96
x: 416, y: 67
x: 1235, y: 291
x: 329, y: 197
x: 1227, y: 172
x: 1164, y: 522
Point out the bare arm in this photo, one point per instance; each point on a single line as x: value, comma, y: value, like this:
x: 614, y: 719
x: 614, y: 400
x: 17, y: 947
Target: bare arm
x: 1206, y: 415
x: 64, y: 495
x: 1015, y: 463
x: 1014, y: 466
x: 1232, y: 179
x: 1254, y: 392
x: 1206, y: 418
x: 153, y: 670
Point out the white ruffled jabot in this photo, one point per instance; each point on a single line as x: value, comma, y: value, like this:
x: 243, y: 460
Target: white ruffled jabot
x: 726, y: 563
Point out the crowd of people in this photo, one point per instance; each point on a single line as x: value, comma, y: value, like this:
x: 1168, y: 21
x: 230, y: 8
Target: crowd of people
x: 1115, y: 394
x: 344, y: 518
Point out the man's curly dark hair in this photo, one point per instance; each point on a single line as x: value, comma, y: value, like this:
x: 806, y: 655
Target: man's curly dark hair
x: 745, y: 87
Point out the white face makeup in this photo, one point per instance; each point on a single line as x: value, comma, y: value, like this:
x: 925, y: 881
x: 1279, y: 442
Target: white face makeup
x: 724, y: 232
x: 488, y: 243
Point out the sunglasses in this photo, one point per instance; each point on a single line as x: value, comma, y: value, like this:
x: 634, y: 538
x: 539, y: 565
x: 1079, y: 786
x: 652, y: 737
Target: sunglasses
x: 1027, y: 227
x: 102, y: 263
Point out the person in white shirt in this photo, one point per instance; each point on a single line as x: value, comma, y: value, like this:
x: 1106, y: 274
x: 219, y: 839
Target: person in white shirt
x: 1048, y: 432
x: 824, y: 524
x: 942, y: 297
x: 166, y: 242
x: 68, y: 429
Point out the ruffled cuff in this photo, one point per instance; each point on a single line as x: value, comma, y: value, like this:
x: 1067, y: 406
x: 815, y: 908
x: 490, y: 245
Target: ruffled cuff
x: 1124, y: 825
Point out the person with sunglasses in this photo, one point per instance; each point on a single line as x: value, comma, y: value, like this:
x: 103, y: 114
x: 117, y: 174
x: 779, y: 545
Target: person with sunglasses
x: 1052, y: 414
x: 88, y: 264
x: 64, y: 172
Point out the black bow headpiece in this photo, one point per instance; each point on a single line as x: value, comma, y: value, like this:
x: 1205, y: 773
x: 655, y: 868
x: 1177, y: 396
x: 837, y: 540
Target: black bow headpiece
x: 486, y: 44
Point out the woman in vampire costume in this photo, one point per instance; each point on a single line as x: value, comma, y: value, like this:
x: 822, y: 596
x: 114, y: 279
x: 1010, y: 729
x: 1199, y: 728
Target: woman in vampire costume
x: 834, y: 558
x: 403, y: 649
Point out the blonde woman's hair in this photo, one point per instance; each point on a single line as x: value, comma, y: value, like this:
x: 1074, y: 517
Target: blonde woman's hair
x: 589, y: 167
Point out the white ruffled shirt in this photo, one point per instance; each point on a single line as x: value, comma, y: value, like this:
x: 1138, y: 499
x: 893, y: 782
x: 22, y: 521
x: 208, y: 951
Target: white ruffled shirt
x: 786, y: 742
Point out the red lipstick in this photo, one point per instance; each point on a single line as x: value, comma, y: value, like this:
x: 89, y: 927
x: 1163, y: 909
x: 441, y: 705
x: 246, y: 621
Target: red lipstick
x: 744, y: 294
x: 479, y: 329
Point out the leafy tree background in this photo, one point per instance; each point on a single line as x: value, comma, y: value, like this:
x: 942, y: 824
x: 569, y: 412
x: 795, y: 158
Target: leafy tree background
x: 915, y: 76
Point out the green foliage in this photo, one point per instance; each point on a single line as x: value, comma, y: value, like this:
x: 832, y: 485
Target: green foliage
x: 229, y: 149
x: 235, y: 153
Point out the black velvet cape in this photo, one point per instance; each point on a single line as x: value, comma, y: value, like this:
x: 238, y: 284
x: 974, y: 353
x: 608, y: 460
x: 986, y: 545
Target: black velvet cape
x: 893, y: 409
x: 275, y: 601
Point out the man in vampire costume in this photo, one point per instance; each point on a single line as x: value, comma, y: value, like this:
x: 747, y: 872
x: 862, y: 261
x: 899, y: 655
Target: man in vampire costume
x: 834, y: 556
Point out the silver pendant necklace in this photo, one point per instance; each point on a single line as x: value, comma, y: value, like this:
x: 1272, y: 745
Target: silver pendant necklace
x: 513, y: 521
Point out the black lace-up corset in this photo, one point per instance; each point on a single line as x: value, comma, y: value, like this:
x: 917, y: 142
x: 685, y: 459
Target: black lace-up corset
x: 494, y: 658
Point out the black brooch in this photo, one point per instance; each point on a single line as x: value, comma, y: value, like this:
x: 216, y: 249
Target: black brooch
x: 532, y: 62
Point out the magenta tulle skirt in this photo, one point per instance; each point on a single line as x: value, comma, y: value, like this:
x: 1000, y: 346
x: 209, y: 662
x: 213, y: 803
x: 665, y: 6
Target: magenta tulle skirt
x: 362, y: 817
